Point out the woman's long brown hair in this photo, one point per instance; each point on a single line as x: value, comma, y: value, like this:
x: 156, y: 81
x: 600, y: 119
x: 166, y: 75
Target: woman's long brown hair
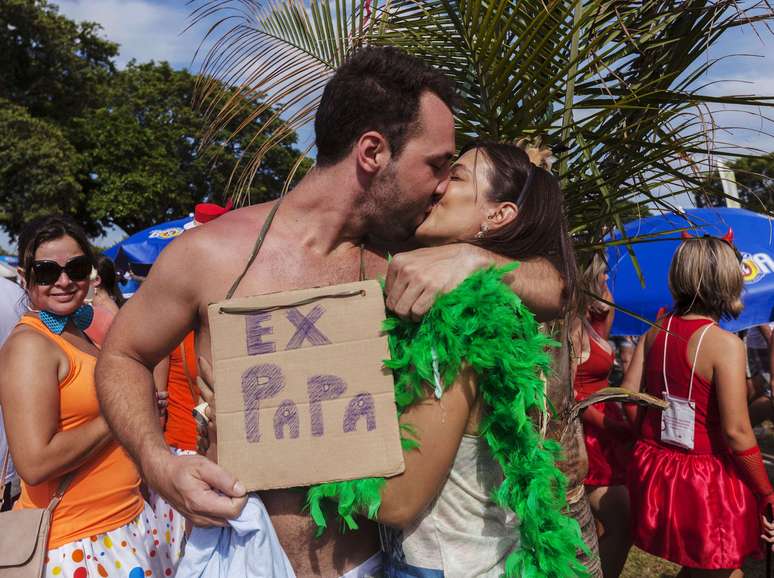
x: 540, y: 228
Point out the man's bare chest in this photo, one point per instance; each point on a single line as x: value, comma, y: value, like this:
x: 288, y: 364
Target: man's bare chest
x: 274, y: 272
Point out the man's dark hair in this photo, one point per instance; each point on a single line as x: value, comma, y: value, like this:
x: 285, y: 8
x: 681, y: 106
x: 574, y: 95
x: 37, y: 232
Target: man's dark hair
x: 377, y: 88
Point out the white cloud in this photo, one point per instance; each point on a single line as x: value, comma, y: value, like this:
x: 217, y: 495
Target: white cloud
x: 750, y: 127
x: 145, y: 30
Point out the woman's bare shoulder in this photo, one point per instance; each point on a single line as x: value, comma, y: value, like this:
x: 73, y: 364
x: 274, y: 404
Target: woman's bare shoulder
x: 719, y: 338
x: 26, y: 345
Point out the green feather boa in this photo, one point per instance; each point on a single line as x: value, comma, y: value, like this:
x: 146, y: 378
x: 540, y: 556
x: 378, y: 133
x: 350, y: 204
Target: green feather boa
x: 483, y: 324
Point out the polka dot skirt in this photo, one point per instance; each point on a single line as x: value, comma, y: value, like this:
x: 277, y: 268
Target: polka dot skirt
x: 140, y: 549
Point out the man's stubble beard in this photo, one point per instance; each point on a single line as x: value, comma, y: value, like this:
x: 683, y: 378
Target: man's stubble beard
x: 390, y: 217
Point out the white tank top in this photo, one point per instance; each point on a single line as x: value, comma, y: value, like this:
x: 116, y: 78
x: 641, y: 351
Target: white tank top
x: 463, y: 533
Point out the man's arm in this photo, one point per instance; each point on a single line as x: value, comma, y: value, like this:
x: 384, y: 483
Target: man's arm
x: 146, y: 329
x: 414, y: 279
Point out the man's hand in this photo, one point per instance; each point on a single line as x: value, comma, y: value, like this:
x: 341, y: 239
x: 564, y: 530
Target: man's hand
x: 415, y: 278
x: 162, y: 403
x: 199, y: 489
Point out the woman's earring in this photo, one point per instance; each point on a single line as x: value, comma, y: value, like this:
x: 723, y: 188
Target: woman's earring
x: 482, y: 231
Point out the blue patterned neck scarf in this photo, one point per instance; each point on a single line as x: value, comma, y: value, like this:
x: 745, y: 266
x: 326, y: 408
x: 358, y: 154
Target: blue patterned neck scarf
x: 57, y: 323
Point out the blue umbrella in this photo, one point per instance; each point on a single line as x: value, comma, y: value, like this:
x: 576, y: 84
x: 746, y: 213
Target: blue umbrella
x: 753, y: 236
x: 137, y: 253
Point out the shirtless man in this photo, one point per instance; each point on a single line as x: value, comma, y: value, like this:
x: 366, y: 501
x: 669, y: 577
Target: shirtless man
x: 385, y: 139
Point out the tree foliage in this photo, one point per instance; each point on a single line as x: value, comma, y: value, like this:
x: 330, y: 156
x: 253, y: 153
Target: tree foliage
x: 617, y: 84
x: 38, y: 168
x: 54, y: 67
x: 107, y: 146
x: 755, y: 185
x: 142, y: 151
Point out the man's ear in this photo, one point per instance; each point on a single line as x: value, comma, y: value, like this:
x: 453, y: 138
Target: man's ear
x: 372, y: 151
x: 502, y: 215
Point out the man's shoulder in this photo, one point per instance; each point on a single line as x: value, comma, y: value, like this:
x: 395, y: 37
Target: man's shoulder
x: 230, y: 232
x: 234, y: 227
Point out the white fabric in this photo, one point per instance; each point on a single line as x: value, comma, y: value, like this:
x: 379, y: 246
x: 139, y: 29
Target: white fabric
x: 678, y: 422
x: 755, y: 339
x: 139, y: 549
x: 463, y: 533
x: 247, y: 548
x: 12, y: 305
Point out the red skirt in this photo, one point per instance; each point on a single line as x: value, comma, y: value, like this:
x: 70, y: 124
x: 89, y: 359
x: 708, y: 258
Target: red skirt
x: 691, y: 509
x: 608, y: 455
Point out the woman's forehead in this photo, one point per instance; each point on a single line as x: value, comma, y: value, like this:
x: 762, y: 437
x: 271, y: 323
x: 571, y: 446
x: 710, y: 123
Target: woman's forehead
x: 474, y: 160
x: 55, y: 247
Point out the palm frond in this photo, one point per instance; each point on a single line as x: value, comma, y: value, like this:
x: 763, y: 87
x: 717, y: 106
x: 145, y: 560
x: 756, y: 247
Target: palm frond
x: 617, y: 82
x: 274, y: 59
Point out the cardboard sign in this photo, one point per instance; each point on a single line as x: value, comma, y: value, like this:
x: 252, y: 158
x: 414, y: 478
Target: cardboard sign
x: 302, y: 394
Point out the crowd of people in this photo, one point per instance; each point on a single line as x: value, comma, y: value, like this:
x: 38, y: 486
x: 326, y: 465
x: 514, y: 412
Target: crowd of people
x: 688, y: 485
x: 98, y: 394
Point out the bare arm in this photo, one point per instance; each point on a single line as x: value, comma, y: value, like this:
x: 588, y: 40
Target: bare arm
x: 415, y: 278
x: 633, y: 379
x: 147, y: 328
x: 29, y: 395
x: 440, y: 425
x: 729, y: 377
x: 125, y: 383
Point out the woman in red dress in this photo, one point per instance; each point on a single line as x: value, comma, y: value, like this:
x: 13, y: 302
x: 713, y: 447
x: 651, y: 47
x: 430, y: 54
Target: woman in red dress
x: 606, y: 432
x: 697, y: 480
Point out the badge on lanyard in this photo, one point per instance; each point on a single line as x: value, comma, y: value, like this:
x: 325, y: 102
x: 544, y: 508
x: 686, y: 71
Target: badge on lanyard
x: 678, y: 421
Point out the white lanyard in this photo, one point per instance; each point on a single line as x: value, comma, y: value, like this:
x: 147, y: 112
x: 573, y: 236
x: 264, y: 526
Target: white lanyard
x: 678, y: 421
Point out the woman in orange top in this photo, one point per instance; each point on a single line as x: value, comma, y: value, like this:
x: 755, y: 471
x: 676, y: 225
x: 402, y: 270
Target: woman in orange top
x: 102, y: 526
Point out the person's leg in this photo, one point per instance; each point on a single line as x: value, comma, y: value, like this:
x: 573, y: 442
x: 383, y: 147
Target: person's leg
x: 610, y: 506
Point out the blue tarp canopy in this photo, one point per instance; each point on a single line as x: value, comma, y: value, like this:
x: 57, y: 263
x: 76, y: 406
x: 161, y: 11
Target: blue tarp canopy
x: 138, y: 252
x: 753, y: 236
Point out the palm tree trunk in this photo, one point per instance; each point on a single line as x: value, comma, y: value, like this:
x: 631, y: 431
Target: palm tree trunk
x: 568, y: 432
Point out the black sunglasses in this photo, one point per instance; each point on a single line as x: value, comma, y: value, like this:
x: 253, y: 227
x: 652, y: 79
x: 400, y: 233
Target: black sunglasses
x: 47, y: 272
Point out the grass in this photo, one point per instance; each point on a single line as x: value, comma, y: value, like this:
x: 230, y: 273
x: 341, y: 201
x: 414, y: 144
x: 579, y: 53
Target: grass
x: 642, y: 565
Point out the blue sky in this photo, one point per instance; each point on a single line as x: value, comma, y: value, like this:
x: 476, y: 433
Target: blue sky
x: 153, y: 30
